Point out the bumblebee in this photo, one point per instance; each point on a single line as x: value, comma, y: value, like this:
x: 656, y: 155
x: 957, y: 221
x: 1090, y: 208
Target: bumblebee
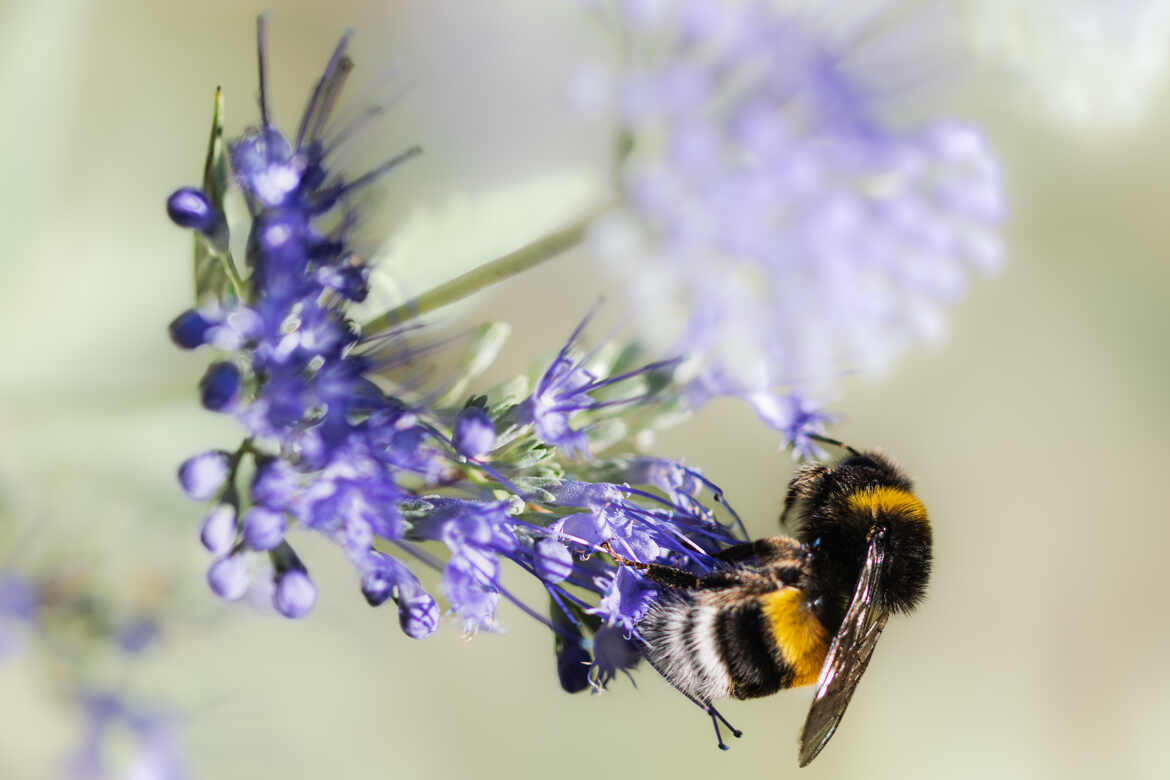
x: 787, y: 612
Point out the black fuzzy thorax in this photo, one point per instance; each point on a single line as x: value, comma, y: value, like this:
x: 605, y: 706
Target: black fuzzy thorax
x: 835, y: 534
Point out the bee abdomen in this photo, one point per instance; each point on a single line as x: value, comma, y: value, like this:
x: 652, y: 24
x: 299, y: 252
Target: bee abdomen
x: 748, y: 648
x: 682, y: 645
x: 712, y: 647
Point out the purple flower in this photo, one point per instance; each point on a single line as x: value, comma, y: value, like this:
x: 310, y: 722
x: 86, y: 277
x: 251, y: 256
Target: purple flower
x: 468, y: 584
x: 18, y: 597
x: 614, y: 650
x: 19, y: 605
x: 276, y: 484
x: 202, y: 476
x: 387, y: 577
x: 219, y: 529
x: 635, y: 531
x: 626, y: 599
x: 671, y: 477
x: 229, y: 576
x: 775, y: 222
x: 473, y: 433
x: 354, y: 499
x: 219, y: 386
x: 297, y: 380
x: 476, y: 534
x: 189, y: 208
x: 418, y: 614
x: 263, y: 528
x: 336, y: 454
x: 553, y: 561
x: 796, y: 418
x: 137, y: 634
x: 190, y: 329
x: 295, y: 594
x: 153, y: 753
x: 566, y: 389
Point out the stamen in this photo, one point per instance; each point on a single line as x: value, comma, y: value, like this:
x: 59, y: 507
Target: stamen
x: 329, y: 99
x: 262, y: 57
x: 385, y: 167
x: 326, y: 84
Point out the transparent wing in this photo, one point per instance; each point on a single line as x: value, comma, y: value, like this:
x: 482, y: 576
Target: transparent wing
x: 848, y: 655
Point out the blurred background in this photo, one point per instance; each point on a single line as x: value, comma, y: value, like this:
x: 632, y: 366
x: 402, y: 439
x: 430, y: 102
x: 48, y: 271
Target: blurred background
x: 1037, y: 435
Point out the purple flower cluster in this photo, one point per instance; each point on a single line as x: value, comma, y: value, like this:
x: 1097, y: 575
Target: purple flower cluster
x: 295, y: 377
x: 108, y: 714
x: 462, y: 491
x: 67, y: 622
x: 19, y: 604
x: 774, y: 221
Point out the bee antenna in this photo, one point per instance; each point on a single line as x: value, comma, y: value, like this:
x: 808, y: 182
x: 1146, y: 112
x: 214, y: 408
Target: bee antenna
x: 833, y: 442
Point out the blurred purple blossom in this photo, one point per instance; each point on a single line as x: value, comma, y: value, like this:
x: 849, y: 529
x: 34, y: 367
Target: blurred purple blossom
x: 19, y: 604
x: 153, y: 755
x: 774, y: 220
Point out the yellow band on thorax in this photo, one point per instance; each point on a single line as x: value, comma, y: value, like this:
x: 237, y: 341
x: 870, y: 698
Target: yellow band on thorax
x: 888, y: 500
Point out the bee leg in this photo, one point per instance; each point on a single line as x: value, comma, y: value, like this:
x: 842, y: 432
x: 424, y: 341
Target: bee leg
x: 766, y: 550
x: 663, y: 575
x: 670, y: 576
x: 717, y: 716
x: 705, y: 706
x: 718, y: 735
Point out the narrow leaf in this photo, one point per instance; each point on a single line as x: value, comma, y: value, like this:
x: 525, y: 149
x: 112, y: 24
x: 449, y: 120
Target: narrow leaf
x: 216, y: 279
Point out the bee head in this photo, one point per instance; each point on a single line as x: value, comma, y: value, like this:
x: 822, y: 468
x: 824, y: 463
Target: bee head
x: 902, y: 521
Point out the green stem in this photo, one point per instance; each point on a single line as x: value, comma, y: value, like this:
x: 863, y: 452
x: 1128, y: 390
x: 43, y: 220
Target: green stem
x: 485, y: 275
x: 239, y: 286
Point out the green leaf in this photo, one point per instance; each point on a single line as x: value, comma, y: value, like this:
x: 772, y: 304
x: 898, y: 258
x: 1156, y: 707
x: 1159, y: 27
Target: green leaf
x: 481, y: 353
x: 606, y: 434
x: 507, y: 393
x: 216, y: 279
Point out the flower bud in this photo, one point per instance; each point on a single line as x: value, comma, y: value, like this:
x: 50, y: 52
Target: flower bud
x: 189, y: 329
x: 204, y: 474
x: 219, y: 529
x: 573, y: 663
x: 219, y: 386
x: 474, y: 434
x: 376, y: 587
x: 276, y: 483
x: 228, y: 577
x: 295, y: 594
x: 190, y: 208
x: 418, y: 615
x: 263, y: 528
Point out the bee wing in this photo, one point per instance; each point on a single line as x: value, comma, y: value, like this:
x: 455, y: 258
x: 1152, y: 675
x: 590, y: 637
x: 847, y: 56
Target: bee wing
x: 848, y: 655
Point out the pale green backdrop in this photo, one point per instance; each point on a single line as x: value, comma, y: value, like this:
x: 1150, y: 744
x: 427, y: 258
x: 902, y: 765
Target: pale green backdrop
x: 1038, y: 435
